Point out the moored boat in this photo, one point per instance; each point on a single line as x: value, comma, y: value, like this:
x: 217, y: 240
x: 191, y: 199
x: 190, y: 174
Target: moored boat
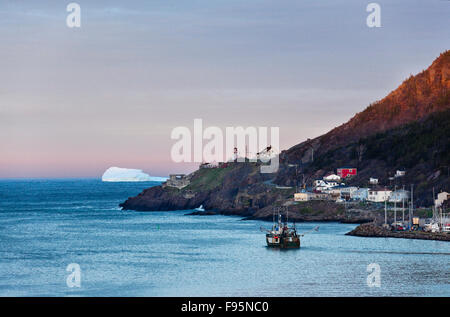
x: 281, y: 235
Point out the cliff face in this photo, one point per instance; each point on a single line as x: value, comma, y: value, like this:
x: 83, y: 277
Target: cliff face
x: 239, y: 189
x: 416, y: 98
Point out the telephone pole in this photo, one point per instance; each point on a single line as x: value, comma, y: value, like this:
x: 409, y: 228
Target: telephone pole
x: 395, y: 203
x: 296, y: 176
x: 385, y: 207
x: 411, y: 207
x: 403, y: 206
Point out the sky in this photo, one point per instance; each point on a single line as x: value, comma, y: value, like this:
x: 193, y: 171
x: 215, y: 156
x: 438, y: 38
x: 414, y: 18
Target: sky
x: 75, y: 101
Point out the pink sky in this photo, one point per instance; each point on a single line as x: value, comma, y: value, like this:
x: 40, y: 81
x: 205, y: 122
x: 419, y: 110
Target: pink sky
x: 74, y: 102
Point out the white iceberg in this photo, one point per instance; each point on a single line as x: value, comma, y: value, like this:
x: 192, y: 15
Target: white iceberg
x: 118, y: 174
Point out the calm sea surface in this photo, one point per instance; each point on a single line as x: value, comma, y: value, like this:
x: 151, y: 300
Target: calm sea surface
x: 47, y: 224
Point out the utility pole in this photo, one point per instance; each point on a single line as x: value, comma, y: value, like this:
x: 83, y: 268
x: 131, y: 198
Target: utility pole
x: 434, y: 207
x: 411, y: 207
x: 395, y: 203
x: 296, y: 176
x: 385, y: 207
x: 403, y: 207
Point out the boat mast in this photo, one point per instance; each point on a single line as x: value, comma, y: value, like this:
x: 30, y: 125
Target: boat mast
x: 279, y: 220
x: 395, y: 203
x: 385, y: 207
x: 403, y: 206
x: 435, y: 212
x: 411, y: 206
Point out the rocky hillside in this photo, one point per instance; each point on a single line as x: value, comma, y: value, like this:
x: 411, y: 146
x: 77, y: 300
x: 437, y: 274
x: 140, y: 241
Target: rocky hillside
x: 409, y: 129
x: 421, y: 148
x: 238, y: 189
x: 416, y: 98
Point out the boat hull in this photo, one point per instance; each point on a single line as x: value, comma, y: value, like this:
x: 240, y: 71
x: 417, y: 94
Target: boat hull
x: 289, y: 242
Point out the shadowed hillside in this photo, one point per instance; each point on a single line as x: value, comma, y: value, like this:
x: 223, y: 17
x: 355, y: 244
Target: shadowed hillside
x: 416, y: 98
x: 421, y: 148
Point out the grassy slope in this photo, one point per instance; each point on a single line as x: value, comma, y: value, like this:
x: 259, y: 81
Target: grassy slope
x: 207, y: 178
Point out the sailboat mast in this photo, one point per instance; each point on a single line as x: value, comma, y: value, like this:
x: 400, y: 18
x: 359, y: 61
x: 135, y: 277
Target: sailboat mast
x: 395, y: 204
x: 279, y: 220
x: 411, y: 206
x: 287, y: 215
x: 403, y: 206
x: 435, y: 216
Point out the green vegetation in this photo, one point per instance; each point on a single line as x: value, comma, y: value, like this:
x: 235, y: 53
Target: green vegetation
x: 309, y: 211
x: 426, y: 141
x: 423, y: 213
x: 207, y: 178
x: 316, y: 208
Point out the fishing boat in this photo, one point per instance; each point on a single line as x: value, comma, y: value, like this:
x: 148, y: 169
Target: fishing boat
x: 281, y: 235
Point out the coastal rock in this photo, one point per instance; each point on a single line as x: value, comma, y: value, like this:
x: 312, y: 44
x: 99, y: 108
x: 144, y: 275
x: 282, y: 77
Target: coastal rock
x: 202, y: 213
x: 237, y: 189
x: 369, y: 230
x: 373, y: 230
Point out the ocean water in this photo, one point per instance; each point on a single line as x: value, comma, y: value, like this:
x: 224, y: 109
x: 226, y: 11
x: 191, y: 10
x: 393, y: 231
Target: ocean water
x: 47, y: 224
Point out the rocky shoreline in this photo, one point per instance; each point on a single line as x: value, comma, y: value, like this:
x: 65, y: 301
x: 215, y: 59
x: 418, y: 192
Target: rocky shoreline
x: 164, y: 199
x: 373, y: 230
x: 241, y: 190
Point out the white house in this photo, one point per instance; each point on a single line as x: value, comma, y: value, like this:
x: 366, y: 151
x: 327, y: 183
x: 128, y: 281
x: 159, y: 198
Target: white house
x: 378, y: 195
x: 347, y: 192
x: 334, y: 192
x: 398, y: 196
x: 361, y: 194
x: 301, y: 196
x: 400, y: 173
x: 441, y: 197
x: 321, y: 185
x: 306, y: 196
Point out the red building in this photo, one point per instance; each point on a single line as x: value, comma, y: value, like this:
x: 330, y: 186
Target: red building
x: 345, y: 172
